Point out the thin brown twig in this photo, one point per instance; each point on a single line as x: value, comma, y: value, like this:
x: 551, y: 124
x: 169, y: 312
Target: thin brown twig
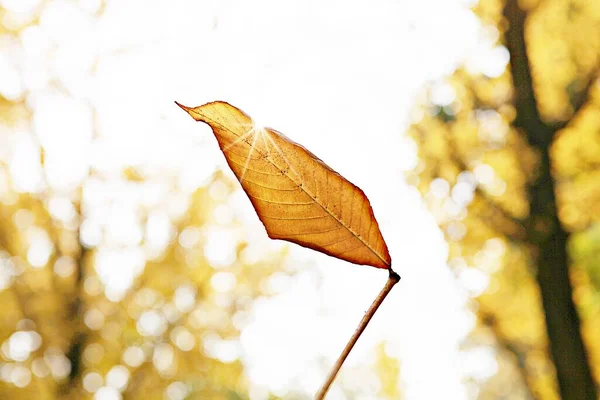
x: 392, y: 280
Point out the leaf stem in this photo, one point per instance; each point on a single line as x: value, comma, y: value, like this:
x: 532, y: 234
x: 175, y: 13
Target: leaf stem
x: 392, y: 280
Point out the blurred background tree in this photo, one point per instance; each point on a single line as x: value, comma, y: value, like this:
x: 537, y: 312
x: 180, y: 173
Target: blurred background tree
x: 121, y: 283
x: 510, y: 166
x: 126, y: 269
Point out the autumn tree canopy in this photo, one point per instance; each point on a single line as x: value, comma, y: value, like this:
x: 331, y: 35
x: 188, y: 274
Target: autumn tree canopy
x: 509, y: 166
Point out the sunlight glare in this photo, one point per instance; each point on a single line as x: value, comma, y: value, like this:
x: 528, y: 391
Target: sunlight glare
x: 256, y: 132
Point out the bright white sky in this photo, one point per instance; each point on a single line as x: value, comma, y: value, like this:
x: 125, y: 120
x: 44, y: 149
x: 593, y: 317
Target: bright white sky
x: 340, y: 77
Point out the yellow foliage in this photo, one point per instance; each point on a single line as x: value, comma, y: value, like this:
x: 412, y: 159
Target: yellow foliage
x: 388, y: 371
x: 475, y: 172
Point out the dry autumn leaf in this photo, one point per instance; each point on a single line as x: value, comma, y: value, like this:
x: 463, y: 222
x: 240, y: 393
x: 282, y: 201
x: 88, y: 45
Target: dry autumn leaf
x: 297, y: 196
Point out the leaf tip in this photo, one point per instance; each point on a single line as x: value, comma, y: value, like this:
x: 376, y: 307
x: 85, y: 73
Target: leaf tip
x: 192, y: 111
x: 184, y: 108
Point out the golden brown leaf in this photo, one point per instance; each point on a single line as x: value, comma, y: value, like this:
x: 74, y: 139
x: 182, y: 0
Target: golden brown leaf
x: 297, y: 196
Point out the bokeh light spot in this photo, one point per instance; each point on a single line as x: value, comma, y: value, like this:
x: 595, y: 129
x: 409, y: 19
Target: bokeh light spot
x: 134, y: 356
x: 92, y: 382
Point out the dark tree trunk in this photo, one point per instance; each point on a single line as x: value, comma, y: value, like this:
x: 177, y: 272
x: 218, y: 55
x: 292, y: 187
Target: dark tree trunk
x: 562, y: 321
x: 546, y: 236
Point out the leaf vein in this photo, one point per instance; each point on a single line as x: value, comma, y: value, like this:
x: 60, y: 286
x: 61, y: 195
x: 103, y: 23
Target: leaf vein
x: 252, y: 170
x: 281, y: 202
x: 312, y: 233
x: 294, y: 218
x: 270, y: 187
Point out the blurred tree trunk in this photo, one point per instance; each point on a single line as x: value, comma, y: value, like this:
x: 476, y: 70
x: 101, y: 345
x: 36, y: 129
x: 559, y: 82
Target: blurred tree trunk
x: 547, y: 237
